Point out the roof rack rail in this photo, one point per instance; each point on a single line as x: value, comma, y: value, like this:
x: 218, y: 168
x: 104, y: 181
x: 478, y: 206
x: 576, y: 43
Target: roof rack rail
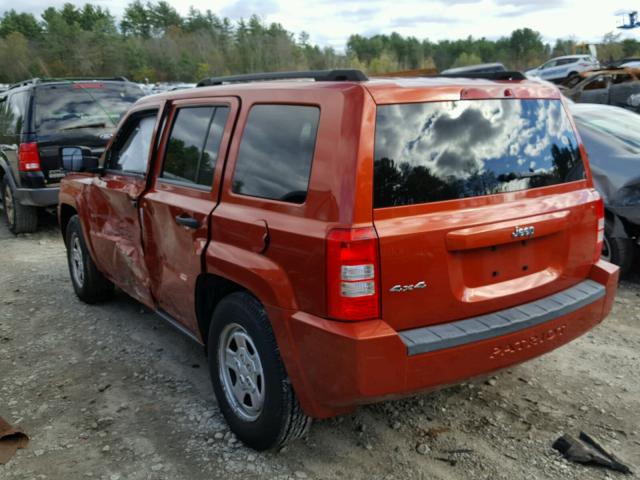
x: 513, y: 75
x: 33, y: 81
x: 23, y: 83
x: 339, y: 75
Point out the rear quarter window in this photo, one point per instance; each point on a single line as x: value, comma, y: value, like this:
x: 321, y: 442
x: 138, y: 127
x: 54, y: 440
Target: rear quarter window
x: 276, y: 152
x: 13, y: 113
x: 429, y: 152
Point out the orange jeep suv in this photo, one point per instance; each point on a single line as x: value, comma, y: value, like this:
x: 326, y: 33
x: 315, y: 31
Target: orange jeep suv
x: 334, y: 240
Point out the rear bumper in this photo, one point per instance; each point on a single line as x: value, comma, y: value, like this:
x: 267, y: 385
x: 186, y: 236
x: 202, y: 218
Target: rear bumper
x: 335, y: 366
x: 38, y: 197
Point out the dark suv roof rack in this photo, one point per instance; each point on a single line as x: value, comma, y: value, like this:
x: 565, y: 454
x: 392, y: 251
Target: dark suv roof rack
x: 340, y: 75
x: 33, y: 81
x: 513, y: 75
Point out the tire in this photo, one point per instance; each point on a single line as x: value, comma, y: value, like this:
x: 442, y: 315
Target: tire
x: 20, y: 218
x: 618, y: 250
x: 90, y: 285
x: 269, y: 416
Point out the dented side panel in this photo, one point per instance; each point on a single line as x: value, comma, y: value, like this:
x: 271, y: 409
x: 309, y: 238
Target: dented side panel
x: 114, y: 230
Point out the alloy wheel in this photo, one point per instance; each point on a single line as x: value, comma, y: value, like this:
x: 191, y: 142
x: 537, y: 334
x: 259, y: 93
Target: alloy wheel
x: 77, y: 261
x: 9, y: 206
x: 241, y: 372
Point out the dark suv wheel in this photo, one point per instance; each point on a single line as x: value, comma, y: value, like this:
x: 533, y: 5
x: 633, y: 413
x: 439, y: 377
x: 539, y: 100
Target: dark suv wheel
x: 20, y: 218
x: 249, y: 378
x: 89, y: 284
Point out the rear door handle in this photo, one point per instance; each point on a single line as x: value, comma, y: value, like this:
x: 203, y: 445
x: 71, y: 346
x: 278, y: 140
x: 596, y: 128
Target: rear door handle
x: 187, y: 221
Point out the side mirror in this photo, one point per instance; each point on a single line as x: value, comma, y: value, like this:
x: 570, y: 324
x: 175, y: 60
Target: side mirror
x: 78, y: 159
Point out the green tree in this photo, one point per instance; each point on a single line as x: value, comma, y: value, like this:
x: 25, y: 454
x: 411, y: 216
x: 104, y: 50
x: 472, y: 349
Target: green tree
x: 23, y: 23
x: 526, y: 48
x: 465, y: 59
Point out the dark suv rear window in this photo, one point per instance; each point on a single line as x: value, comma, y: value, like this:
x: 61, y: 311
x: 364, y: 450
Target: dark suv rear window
x: 429, y: 152
x: 82, y: 105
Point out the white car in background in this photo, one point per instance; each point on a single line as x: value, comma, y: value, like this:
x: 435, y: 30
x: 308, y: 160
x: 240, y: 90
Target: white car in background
x: 631, y: 64
x: 563, y: 67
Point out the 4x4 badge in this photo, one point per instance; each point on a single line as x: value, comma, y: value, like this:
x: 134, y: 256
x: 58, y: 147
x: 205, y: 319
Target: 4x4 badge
x: 408, y: 288
x: 519, y: 232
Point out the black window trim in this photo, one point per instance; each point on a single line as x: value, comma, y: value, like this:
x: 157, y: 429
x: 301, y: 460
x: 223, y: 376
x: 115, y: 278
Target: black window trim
x: 313, y: 158
x: 180, y: 183
x: 138, y: 114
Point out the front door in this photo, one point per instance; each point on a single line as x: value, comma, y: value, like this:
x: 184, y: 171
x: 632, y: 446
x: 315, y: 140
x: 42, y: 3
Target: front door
x: 114, y: 221
x: 176, y: 208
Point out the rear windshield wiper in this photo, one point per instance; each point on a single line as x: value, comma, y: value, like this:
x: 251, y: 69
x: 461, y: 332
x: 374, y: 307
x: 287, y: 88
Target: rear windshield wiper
x: 85, y: 125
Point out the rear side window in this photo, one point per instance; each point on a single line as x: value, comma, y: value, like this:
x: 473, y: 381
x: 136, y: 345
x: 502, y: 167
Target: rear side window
x: 276, y: 152
x: 13, y: 113
x: 429, y: 152
x: 192, y: 151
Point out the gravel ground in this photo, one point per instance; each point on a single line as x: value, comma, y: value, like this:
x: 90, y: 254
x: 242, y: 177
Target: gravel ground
x: 112, y: 392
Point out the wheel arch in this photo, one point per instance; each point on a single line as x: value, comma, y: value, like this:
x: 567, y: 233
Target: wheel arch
x: 619, y: 226
x: 210, y: 290
x: 65, y: 212
x: 6, y: 172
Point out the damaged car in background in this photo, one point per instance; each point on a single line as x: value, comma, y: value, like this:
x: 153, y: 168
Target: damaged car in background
x: 560, y: 68
x: 612, y: 138
x: 619, y: 87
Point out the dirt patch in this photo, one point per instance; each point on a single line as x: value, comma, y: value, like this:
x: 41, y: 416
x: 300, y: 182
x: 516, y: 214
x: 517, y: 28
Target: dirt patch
x: 112, y: 392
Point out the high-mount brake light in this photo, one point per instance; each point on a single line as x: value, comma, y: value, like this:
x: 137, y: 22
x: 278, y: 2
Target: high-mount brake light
x: 29, y: 157
x: 353, y: 274
x: 88, y: 85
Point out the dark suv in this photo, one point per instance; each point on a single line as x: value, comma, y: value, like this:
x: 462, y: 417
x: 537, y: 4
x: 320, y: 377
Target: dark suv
x: 38, y: 118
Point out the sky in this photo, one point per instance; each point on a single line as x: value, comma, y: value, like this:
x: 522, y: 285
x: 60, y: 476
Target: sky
x: 330, y: 22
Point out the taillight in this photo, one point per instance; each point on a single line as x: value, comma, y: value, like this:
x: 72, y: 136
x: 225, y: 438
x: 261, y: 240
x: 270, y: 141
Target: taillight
x: 28, y: 157
x: 353, y: 274
x: 600, y: 234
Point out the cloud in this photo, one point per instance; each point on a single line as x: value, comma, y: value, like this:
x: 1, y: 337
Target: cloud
x: 522, y: 7
x: 359, y: 14
x: 246, y: 8
x: 417, y: 20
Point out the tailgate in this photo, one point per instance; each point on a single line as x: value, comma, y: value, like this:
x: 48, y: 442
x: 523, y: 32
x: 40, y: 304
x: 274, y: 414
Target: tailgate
x: 50, y: 149
x: 479, y: 260
x: 479, y: 205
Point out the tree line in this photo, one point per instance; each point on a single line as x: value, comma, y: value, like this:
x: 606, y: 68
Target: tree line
x: 154, y: 42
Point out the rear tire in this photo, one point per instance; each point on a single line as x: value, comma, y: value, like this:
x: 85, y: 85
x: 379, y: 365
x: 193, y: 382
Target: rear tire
x: 20, y: 218
x: 249, y: 378
x: 618, y: 250
x: 90, y: 285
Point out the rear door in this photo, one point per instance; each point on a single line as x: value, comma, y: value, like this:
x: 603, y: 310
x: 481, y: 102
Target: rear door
x: 177, y: 207
x: 113, y: 198
x: 479, y: 205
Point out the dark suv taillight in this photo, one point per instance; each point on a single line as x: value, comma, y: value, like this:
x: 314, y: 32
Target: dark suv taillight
x: 29, y: 157
x: 353, y: 274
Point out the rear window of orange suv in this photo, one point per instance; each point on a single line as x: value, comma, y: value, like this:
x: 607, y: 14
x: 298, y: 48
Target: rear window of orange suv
x: 429, y: 152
